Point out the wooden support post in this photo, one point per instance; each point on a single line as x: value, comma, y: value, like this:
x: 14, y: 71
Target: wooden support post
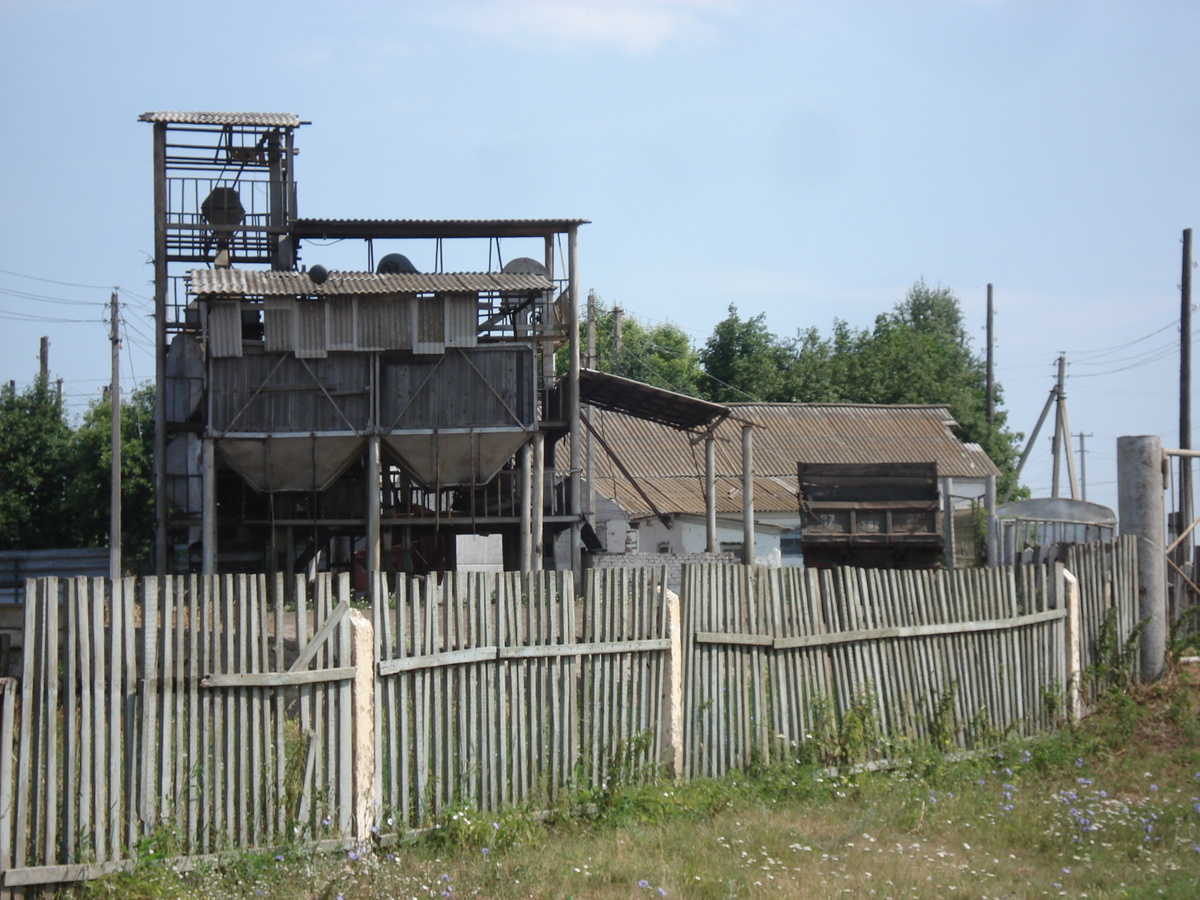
x: 575, y: 485
x: 1074, y: 652
x: 114, y: 396
x: 362, y: 694
x: 989, y: 503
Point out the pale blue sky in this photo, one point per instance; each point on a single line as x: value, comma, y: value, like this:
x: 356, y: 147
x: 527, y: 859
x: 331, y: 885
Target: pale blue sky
x: 808, y: 160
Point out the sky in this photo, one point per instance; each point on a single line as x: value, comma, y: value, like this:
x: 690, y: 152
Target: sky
x: 806, y: 160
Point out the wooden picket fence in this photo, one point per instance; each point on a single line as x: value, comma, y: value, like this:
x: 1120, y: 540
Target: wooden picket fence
x: 200, y: 714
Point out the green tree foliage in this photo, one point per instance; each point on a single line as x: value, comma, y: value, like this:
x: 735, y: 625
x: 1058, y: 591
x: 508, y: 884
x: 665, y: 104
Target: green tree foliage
x: 745, y: 361
x: 920, y: 352
x: 55, y: 490
x: 88, y: 490
x: 659, y: 354
x: 34, y: 462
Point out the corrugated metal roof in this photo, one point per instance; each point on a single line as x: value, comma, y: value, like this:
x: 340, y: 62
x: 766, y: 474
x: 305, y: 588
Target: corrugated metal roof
x: 261, y: 283
x: 669, y: 465
x: 307, y: 229
x: 280, y: 120
x: 645, y: 401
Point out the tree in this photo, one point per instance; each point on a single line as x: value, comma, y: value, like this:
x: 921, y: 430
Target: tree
x: 745, y: 361
x: 659, y: 354
x: 920, y: 352
x: 89, y: 492
x: 34, y: 462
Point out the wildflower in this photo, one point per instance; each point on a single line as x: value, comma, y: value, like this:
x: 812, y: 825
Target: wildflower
x: 662, y: 892
x: 1079, y: 762
x: 643, y: 884
x: 1066, y: 871
x: 485, y: 851
x: 279, y: 857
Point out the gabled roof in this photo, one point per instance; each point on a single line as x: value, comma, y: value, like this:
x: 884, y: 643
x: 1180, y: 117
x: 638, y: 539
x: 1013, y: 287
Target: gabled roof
x: 669, y: 464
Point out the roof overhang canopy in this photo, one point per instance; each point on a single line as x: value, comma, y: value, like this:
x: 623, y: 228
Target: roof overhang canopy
x: 644, y: 401
x: 332, y: 229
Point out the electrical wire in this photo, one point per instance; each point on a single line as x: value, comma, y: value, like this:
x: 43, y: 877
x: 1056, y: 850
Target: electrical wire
x: 99, y: 287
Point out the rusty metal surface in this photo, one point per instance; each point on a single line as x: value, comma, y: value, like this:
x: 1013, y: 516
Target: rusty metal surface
x: 273, y: 120
x: 260, y: 283
x: 645, y: 401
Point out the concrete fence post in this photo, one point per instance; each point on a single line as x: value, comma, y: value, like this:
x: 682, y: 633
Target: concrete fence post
x: 1140, y: 487
x: 362, y: 729
x: 673, y: 688
x: 1074, y: 650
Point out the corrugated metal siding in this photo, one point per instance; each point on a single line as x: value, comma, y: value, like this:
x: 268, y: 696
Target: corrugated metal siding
x: 462, y: 319
x: 279, y: 324
x: 429, y: 330
x: 310, y: 330
x: 339, y: 324
x: 384, y: 324
x: 260, y: 283
x: 279, y: 120
x: 225, y: 328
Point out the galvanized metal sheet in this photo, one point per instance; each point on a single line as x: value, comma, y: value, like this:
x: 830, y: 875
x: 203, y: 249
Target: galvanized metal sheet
x: 258, y: 283
x: 465, y: 457
x: 274, y: 120
x: 292, y: 463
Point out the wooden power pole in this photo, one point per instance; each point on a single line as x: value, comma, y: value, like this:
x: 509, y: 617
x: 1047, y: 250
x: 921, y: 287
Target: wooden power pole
x: 1185, y: 383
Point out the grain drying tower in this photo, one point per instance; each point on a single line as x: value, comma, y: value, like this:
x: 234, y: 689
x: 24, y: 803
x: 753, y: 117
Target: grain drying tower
x: 360, y: 418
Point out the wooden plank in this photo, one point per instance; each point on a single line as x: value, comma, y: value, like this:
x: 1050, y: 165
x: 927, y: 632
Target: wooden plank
x: 166, y: 682
x: 328, y: 627
x: 85, y: 605
x: 908, y: 631
x: 345, y: 747
x: 193, y: 768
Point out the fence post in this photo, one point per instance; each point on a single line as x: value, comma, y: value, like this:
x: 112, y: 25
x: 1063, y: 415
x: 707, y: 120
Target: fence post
x: 1073, y: 649
x: 673, y: 702
x: 362, y: 729
x: 1140, y: 486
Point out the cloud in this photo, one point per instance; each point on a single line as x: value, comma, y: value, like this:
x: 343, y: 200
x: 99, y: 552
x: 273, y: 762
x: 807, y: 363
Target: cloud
x: 634, y: 26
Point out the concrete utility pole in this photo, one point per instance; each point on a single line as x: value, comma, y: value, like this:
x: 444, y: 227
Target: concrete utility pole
x: 44, y: 359
x: 1083, y: 466
x: 1185, y: 386
x: 1140, y: 487
x: 114, y: 396
x: 990, y: 389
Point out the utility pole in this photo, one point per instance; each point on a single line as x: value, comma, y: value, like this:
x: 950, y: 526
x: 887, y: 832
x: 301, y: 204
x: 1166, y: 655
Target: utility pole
x: 990, y: 389
x: 114, y: 397
x: 1057, y: 440
x: 44, y: 359
x: 616, y: 342
x: 1083, y: 465
x: 1182, y: 555
x: 1185, y: 383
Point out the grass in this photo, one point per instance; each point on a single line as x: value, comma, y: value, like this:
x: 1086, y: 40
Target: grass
x: 1108, y: 809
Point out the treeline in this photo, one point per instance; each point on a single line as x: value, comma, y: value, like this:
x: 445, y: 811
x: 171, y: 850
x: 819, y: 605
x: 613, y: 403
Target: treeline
x: 919, y: 352
x: 55, y: 478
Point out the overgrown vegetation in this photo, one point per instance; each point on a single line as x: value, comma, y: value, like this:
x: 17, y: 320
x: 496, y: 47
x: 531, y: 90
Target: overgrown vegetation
x: 55, y: 493
x: 1109, y: 808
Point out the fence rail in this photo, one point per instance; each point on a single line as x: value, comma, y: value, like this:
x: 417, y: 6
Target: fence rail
x: 203, y: 710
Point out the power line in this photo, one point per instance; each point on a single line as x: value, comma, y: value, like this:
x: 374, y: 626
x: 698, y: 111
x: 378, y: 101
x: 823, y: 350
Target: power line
x: 98, y: 287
